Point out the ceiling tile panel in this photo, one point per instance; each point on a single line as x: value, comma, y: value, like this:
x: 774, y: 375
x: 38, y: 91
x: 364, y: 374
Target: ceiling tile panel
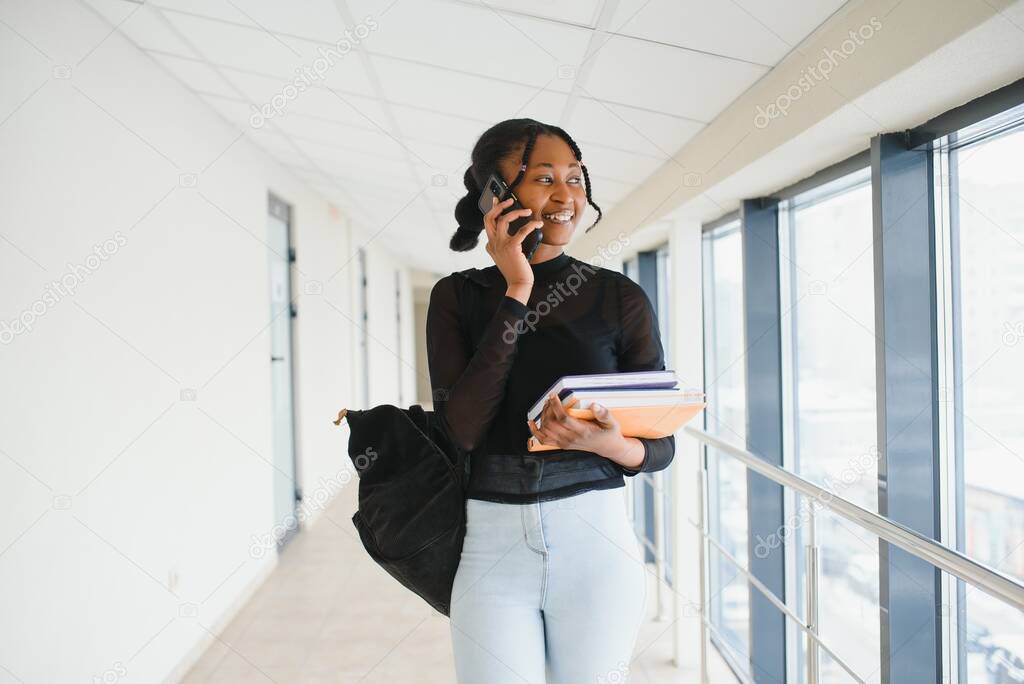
x: 216, y: 9
x: 339, y: 139
x: 359, y: 165
x: 447, y: 91
x: 606, y: 190
x: 476, y: 39
x: 761, y: 31
x: 614, y: 163
x: 141, y: 24
x: 315, y: 19
x: 720, y: 28
x: 234, y: 111
x: 197, y: 75
x: 444, y: 128
x: 347, y: 139
x: 637, y: 130
x: 244, y: 48
x: 281, y: 97
x: 666, y: 79
x: 279, y: 146
x: 579, y: 12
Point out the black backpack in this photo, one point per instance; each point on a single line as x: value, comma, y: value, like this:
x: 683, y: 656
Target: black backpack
x: 412, y: 497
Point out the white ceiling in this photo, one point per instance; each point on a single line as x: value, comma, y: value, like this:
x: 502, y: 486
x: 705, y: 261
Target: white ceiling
x: 386, y: 132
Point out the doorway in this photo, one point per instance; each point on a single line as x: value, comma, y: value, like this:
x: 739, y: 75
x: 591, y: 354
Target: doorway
x: 282, y: 319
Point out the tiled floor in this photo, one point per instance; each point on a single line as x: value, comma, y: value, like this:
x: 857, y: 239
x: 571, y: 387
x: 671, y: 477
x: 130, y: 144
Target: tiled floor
x: 329, y: 614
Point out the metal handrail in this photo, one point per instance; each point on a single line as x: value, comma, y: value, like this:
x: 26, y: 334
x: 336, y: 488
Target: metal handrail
x: 809, y: 626
x: 989, y: 580
x: 808, y: 629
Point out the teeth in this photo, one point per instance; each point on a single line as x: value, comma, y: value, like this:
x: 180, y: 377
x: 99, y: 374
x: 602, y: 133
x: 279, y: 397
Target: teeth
x: 561, y: 216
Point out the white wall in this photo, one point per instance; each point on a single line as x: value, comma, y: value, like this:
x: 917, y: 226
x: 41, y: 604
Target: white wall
x: 112, y: 484
x: 390, y: 354
x: 687, y: 358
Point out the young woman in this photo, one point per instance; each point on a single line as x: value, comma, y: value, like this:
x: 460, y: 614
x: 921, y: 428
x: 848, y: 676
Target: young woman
x: 551, y: 584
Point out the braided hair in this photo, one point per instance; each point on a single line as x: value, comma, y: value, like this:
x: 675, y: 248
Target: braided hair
x: 495, y: 144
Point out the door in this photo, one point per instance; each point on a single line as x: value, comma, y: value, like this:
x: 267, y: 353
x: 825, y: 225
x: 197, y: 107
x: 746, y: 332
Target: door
x: 282, y: 313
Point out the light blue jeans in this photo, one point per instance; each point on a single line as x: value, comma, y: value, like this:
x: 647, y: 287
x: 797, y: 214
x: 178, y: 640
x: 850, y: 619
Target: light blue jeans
x: 551, y: 592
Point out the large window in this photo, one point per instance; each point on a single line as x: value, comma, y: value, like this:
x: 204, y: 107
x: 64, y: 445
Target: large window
x: 725, y: 417
x: 826, y: 269
x: 650, y: 269
x: 985, y: 195
x: 895, y: 383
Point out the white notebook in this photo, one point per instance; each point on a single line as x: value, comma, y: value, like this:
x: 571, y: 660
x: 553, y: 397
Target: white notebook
x: 624, y: 381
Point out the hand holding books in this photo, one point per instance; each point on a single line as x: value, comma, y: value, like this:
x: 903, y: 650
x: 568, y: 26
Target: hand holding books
x: 640, y: 403
x: 600, y: 434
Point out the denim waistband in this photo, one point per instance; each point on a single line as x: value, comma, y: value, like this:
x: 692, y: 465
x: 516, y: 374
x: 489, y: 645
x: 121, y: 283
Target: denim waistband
x: 529, y: 476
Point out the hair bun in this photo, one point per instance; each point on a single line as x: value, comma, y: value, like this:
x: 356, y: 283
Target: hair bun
x: 464, y: 239
x: 468, y: 216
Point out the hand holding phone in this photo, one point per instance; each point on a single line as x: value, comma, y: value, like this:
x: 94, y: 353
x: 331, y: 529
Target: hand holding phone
x: 507, y: 250
x: 496, y: 188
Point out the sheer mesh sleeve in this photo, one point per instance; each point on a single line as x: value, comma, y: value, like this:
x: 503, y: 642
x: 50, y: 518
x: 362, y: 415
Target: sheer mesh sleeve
x: 640, y: 349
x: 468, y: 385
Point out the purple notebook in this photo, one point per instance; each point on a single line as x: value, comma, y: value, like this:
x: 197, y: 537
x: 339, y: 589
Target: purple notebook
x: 629, y: 380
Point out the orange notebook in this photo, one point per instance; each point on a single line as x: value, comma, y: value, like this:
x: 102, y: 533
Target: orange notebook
x: 636, y: 421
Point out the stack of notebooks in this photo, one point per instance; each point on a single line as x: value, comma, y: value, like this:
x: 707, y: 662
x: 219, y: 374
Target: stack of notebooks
x: 645, y: 403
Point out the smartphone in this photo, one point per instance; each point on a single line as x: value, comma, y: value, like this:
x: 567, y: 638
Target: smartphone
x: 496, y: 187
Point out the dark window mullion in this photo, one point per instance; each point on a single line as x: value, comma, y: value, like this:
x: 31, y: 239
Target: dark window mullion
x: 765, y: 512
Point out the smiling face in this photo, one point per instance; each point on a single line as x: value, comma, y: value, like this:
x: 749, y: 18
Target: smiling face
x: 552, y: 188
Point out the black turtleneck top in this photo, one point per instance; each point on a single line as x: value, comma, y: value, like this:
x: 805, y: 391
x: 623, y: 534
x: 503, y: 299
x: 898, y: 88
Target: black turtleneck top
x: 491, y: 357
